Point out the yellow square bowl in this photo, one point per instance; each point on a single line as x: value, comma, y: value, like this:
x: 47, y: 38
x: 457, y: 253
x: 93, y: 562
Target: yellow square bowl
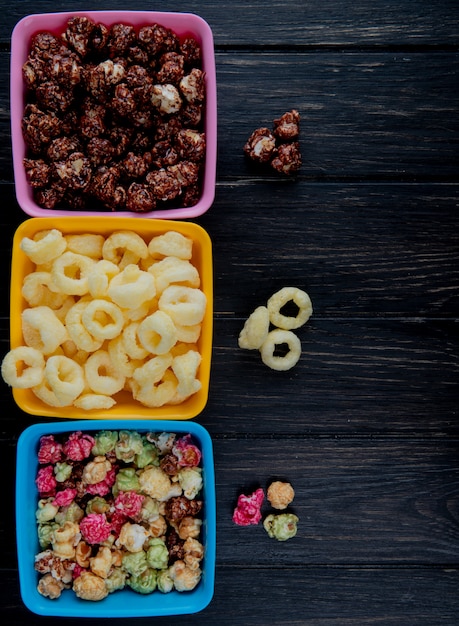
x: 126, y: 407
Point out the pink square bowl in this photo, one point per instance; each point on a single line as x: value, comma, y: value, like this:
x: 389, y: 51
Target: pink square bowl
x: 182, y: 24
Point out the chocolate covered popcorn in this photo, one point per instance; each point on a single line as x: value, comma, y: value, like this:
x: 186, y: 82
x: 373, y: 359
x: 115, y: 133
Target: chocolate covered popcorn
x: 101, y: 104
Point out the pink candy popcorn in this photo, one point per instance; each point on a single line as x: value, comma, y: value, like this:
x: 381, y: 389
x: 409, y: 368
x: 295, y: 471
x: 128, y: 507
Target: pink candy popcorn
x: 95, y: 528
x: 129, y: 503
x: 50, y: 451
x: 104, y: 487
x: 65, y: 497
x: 45, y: 481
x: 187, y: 453
x: 248, y: 510
x: 78, y: 446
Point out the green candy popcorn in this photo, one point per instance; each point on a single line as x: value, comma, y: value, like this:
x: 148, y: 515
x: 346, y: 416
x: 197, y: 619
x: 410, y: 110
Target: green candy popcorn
x: 134, y: 563
x: 105, y: 441
x: 129, y: 444
x: 126, y: 480
x: 70, y: 513
x: 164, y: 581
x: 148, y: 455
x: 144, y: 582
x: 62, y: 471
x: 97, y: 505
x: 282, y: 526
x: 157, y: 554
x: 116, y: 580
x: 190, y: 479
x: 45, y: 532
x: 46, y: 510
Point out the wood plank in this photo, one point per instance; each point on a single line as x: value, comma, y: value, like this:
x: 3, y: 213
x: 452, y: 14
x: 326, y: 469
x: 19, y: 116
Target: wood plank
x: 294, y: 23
x: 376, y: 115
x: 389, y: 116
x: 304, y: 596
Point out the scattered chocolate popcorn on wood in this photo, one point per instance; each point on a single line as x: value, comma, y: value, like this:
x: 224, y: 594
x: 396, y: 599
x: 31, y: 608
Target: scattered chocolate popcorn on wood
x: 278, y: 148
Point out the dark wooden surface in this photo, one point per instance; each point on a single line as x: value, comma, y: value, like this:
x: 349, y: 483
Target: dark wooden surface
x: 366, y: 427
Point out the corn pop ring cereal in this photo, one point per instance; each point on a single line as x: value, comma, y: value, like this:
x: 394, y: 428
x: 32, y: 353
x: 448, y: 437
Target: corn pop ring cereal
x: 152, y: 370
x: 23, y: 367
x: 131, y: 342
x: 157, y: 333
x: 132, y: 287
x: 38, y: 289
x: 65, y: 378
x: 171, y: 269
x: 46, y: 246
x: 100, y: 277
x: 255, y: 329
x: 185, y: 305
x: 275, y: 338
x: 155, y: 394
x: 70, y: 273
x: 89, y: 401
x: 103, y: 319
x: 88, y: 244
x: 42, y: 329
x: 124, y: 248
x: 101, y: 375
x: 77, y: 332
x: 120, y: 358
x: 171, y: 243
x: 283, y: 297
x: 185, y: 368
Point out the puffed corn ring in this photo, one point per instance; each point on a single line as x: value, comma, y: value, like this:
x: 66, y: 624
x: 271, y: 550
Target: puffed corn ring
x: 70, y: 273
x: 124, y: 248
x: 62, y: 311
x: 188, y: 334
x: 46, y: 246
x: 255, y: 329
x: 38, y: 289
x: 87, y: 244
x: 185, y: 305
x: 77, y: 332
x: 171, y: 243
x: 131, y: 342
x: 100, y: 277
x: 65, y: 378
x: 103, y: 319
x: 90, y: 401
x: 283, y: 297
x: 155, y: 394
x: 185, y: 368
x: 132, y: 287
x: 101, y: 375
x: 23, y: 367
x: 44, y: 393
x: 172, y: 270
x: 157, y: 333
x: 121, y: 360
x: 42, y: 329
x: 152, y: 370
x: 279, y: 337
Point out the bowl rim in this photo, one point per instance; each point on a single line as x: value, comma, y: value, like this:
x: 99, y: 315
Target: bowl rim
x: 189, y: 409
x: 174, y: 603
x: 19, y: 44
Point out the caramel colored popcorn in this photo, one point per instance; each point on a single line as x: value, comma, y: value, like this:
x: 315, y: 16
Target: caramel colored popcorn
x: 280, y: 494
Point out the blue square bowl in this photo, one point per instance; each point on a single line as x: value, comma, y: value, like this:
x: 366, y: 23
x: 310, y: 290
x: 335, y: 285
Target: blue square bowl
x: 125, y: 603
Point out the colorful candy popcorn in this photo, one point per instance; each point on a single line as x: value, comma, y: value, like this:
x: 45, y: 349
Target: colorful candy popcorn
x: 248, y: 510
x: 110, y: 516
